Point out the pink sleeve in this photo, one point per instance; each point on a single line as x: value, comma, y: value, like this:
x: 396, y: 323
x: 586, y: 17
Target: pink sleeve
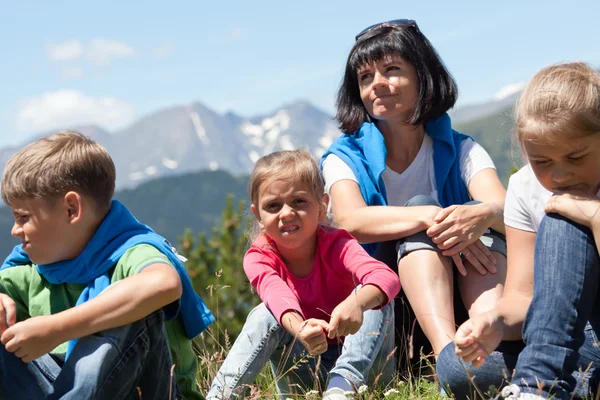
x: 271, y: 288
x: 365, y: 269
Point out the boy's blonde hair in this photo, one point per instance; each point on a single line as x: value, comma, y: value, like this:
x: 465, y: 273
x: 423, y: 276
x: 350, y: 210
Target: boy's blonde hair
x: 559, y: 100
x: 293, y: 165
x: 54, y: 165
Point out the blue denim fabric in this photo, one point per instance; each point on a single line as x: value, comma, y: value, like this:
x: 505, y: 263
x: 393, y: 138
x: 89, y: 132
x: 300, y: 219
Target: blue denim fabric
x: 262, y: 340
x: 114, y: 364
x: 560, y: 328
x: 463, y: 381
x: 565, y: 298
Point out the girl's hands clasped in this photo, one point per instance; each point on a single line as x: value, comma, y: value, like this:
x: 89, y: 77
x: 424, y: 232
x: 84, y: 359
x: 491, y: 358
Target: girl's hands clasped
x: 457, y: 229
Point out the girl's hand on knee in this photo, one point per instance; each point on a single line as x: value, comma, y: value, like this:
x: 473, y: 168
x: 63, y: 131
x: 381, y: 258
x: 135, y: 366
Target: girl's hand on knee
x: 312, y: 336
x: 580, y: 208
x: 346, y: 318
x: 478, y: 337
x: 8, y: 312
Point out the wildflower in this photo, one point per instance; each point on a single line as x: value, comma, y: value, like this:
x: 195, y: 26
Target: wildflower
x: 362, y: 389
x: 390, y: 392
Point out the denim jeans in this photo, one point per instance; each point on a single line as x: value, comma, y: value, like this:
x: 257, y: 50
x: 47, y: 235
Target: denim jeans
x: 561, y: 356
x: 121, y: 363
x: 362, y: 356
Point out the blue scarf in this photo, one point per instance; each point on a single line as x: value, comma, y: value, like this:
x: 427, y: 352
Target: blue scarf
x: 365, y: 153
x: 118, y: 232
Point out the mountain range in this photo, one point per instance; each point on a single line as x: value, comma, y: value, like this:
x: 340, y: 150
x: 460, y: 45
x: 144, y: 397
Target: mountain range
x: 178, y: 140
x: 175, y: 167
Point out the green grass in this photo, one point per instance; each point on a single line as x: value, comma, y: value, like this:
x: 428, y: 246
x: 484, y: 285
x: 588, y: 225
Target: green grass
x: 213, y: 345
x: 211, y: 355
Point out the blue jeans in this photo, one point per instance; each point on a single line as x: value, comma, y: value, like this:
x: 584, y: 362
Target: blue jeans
x: 561, y: 355
x: 119, y: 363
x: 362, y: 356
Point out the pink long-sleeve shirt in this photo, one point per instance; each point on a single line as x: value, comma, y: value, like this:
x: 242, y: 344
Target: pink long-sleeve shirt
x: 340, y: 265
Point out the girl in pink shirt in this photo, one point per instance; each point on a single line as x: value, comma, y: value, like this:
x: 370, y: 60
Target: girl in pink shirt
x: 326, y: 308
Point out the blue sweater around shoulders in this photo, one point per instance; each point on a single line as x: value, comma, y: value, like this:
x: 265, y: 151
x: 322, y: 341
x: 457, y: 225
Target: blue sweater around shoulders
x: 365, y: 153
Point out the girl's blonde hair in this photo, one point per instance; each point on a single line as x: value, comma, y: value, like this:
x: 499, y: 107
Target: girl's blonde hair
x: 293, y: 165
x: 289, y: 165
x: 560, y: 101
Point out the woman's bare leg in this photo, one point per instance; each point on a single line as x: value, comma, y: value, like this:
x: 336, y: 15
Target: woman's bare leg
x: 426, y: 278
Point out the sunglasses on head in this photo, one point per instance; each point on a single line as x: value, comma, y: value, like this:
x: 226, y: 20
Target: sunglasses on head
x: 401, y: 23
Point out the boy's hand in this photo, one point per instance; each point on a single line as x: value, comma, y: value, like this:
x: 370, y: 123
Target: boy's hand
x: 346, y: 318
x: 312, y: 336
x: 580, y: 208
x: 32, y: 338
x: 8, y: 312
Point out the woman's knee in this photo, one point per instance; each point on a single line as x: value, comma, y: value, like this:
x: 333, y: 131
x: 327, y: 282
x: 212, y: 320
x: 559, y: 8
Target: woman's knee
x: 422, y: 200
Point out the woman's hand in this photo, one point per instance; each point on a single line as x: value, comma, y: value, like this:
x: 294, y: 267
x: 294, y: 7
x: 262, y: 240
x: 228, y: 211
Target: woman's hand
x: 479, y: 256
x: 580, y: 208
x: 478, y: 337
x: 457, y: 229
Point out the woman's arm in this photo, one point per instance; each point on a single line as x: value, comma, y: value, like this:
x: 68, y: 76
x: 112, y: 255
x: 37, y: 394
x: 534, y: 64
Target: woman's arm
x: 369, y: 224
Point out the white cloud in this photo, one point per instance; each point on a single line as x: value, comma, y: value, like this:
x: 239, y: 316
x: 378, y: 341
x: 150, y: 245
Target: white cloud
x: 236, y: 32
x: 103, y: 51
x: 67, y: 108
x: 163, y: 50
x: 72, y: 73
x: 66, y: 51
x: 509, y: 90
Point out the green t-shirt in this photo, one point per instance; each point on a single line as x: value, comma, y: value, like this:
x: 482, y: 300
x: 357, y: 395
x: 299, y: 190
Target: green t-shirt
x: 35, y: 296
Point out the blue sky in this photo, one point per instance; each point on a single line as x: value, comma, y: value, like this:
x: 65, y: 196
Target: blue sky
x: 73, y: 62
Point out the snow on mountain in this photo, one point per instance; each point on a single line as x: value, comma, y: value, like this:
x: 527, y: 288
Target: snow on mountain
x: 193, y: 137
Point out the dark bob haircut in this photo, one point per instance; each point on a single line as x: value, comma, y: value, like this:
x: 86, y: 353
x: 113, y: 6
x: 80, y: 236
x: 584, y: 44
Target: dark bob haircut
x: 437, y: 89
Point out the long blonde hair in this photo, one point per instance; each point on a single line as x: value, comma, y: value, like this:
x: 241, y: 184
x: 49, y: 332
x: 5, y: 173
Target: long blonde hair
x: 559, y: 102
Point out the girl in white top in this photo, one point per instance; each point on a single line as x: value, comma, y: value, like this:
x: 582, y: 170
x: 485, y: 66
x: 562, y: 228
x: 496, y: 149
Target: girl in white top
x: 552, y: 217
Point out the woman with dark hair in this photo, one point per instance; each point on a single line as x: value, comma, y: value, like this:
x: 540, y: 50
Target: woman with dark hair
x: 403, y: 182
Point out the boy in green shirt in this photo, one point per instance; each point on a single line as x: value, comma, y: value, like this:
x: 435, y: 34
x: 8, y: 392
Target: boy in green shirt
x: 85, y: 297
